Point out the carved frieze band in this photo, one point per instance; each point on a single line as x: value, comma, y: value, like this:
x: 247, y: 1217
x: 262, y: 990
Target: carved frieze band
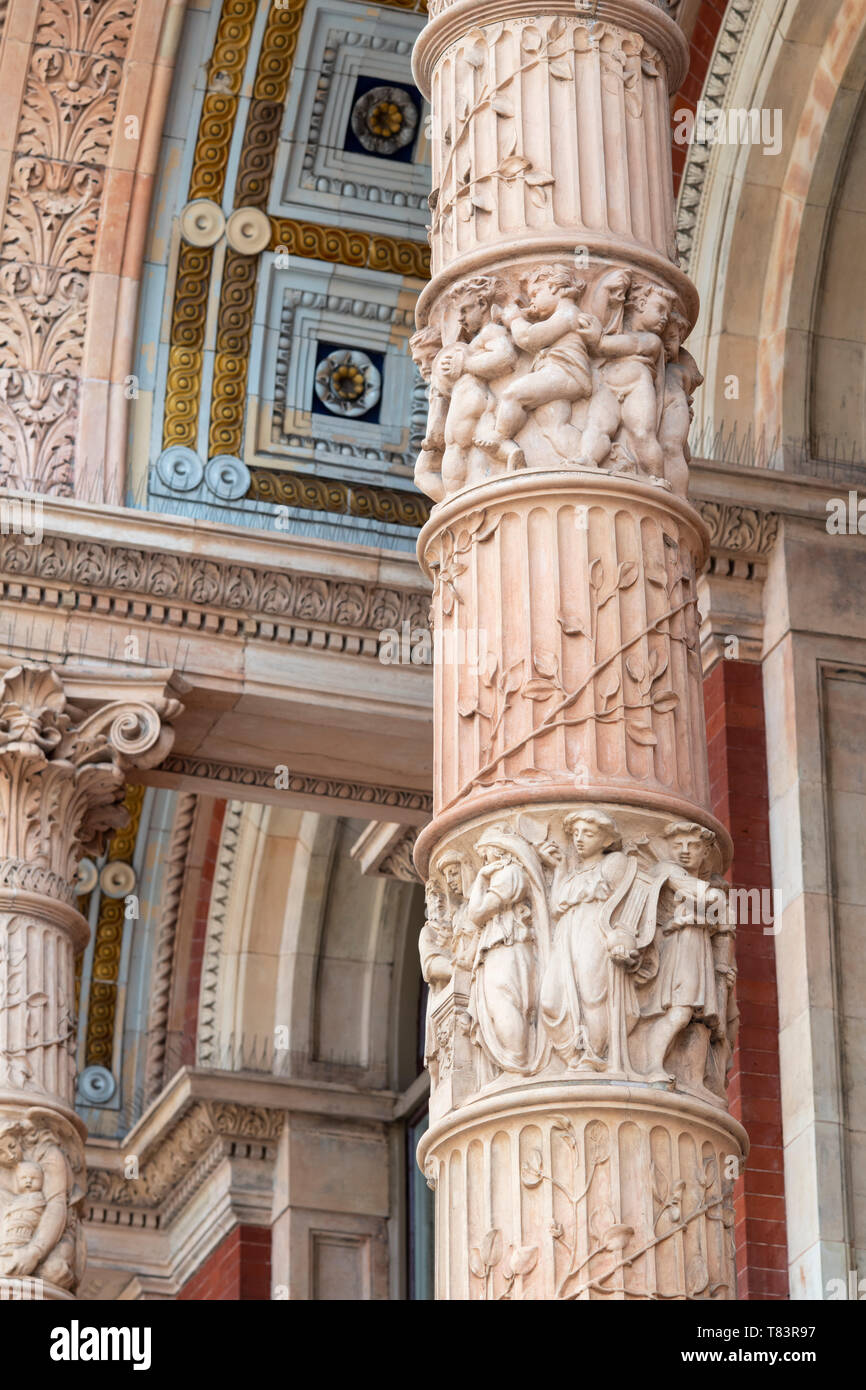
x: 590, y: 940
x: 729, y: 43
x: 299, y: 784
x: 164, y: 948
x: 173, y: 1169
x: 175, y: 588
x: 736, y: 528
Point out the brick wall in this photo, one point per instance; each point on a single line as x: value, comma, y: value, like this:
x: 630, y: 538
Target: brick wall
x: 238, y: 1269
x: 734, y: 703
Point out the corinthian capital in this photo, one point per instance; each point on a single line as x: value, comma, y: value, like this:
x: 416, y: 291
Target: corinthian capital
x: 63, y: 766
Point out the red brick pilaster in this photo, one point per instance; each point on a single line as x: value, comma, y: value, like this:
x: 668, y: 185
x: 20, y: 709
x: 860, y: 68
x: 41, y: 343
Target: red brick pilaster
x: 237, y: 1270
x: 734, y: 702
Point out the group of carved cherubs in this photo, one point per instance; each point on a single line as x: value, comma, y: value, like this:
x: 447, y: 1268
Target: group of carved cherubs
x: 603, y: 376
x: 613, y: 960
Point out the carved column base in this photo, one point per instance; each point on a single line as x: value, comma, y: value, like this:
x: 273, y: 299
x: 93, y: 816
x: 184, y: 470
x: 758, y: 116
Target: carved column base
x: 584, y: 1190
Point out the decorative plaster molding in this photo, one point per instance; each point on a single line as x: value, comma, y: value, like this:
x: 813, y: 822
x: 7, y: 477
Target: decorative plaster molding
x: 399, y: 255
x: 164, y: 947
x: 108, y: 942
x: 176, y: 1165
x: 352, y: 308
x: 385, y: 848
x: 331, y: 788
x: 357, y: 179
x: 206, y: 1041
x: 331, y: 495
x: 737, y: 528
x: 186, y: 584
x: 689, y: 206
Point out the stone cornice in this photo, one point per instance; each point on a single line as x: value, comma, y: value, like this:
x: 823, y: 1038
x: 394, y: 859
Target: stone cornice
x: 177, y: 573
x: 224, y: 776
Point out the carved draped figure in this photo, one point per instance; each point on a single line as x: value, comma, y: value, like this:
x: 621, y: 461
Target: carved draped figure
x: 508, y: 907
x: 686, y: 975
x: 574, y: 993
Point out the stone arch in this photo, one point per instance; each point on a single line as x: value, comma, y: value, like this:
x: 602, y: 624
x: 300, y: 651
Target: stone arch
x: 299, y: 975
x: 762, y: 225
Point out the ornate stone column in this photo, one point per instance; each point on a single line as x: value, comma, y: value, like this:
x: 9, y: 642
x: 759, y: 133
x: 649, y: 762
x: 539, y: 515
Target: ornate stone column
x: 62, y: 777
x: 579, y: 941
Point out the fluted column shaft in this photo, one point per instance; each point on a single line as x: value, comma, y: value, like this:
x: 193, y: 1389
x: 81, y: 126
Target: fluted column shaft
x: 579, y: 941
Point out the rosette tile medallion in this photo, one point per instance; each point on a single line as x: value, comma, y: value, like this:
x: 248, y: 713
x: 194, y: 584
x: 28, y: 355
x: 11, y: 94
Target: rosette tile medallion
x: 579, y: 942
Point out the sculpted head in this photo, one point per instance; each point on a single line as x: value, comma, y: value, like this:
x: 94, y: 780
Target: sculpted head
x: 547, y: 285
x: 29, y: 1177
x: 10, y: 1143
x: 593, y: 832
x: 451, y: 869
x: 473, y: 299
x: 675, y: 334
x: 424, y: 346
x: 494, y: 845
x: 690, y: 845
x: 651, y: 307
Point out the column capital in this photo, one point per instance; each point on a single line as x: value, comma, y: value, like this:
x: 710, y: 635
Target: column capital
x: 67, y: 743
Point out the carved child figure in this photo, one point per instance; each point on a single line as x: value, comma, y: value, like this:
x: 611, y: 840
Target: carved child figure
x: 629, y: 385
x: 23, y: 1212
x: 425, y: 345
x: 560, y: 335
x: 462, y: 371
x: 682, y: 379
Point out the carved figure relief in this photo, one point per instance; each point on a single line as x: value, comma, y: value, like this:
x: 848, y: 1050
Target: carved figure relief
x: 550, y: 369
x: 40, y: 1201
x: 508, y: 908
x: 592, y: 947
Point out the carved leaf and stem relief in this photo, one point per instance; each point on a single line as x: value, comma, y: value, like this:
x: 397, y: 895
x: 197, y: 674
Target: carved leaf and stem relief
x: 513, y: 135
x: 603, y: 681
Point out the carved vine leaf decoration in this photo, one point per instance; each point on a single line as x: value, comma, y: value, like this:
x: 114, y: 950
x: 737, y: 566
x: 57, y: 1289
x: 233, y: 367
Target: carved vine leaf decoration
x: 612, y: 1236
x: 469, y: 196
x: 542, y: 686
x: 486, y: 1258
x: 448, y: 564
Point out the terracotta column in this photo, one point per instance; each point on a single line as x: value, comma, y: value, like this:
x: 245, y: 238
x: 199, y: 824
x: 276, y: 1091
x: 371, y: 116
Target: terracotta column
x: 62, y: 777
x: 579, y: 941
